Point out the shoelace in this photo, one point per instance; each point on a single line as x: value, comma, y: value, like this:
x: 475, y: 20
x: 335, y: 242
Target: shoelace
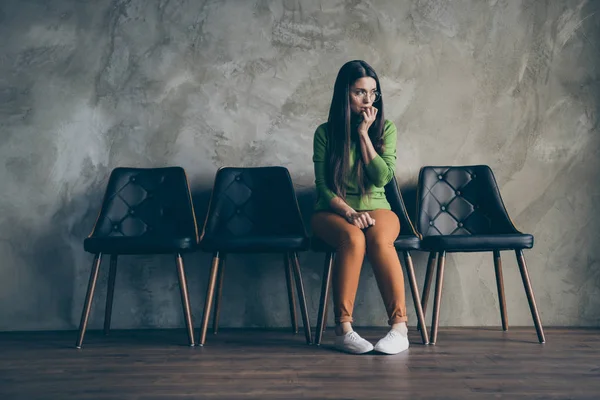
x: 353, y: 336
x: 392, y: 334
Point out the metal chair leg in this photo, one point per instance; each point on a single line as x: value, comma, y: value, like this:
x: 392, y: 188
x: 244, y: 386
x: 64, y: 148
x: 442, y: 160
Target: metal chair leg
x: 530, y: 298
x: 89, y: 297
x: 301, y: 296
x: 500, y: 286
x: 110, y: 293
x: 210, y: 291
x: 415, y: 293
x: 438, y: 297
x: 289, y: 280
x: 219, y: 295
x: 325, y: 284
x: 185, y: 299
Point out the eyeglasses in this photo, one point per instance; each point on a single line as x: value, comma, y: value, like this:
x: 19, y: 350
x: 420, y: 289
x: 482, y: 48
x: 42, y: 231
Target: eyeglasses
x: 374, y: 96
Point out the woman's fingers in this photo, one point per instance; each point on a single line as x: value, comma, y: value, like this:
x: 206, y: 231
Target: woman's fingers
x: 368, y: 221
x: 368, y: 117
x: 362, y: 220
x: 371, y: 220
x: 371, y: 114
x: 374, y: 113
x: 355, y: 220
x: 359, y: 223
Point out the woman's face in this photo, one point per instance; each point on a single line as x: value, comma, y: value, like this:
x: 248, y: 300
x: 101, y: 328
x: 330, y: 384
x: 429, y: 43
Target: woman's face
x: 362, y: 94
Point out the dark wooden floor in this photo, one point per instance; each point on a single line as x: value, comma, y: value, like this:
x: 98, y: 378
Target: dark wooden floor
x: 465, y: 364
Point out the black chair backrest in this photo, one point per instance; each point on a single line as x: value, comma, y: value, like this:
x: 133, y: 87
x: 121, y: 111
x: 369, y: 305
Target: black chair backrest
x: 147, y: 202
x: 461, y: 200
x: 252, y: 202
x: 394, y: 197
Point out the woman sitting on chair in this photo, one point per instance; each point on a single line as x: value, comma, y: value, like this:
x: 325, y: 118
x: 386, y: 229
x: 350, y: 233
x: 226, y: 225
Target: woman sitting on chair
x: 354, y: 158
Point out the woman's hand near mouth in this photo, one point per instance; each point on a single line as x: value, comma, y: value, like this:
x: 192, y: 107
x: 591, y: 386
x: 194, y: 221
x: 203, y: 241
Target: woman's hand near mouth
x: 368, y: 115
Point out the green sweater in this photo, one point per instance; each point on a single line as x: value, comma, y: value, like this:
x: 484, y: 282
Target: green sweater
x: 378, y: 172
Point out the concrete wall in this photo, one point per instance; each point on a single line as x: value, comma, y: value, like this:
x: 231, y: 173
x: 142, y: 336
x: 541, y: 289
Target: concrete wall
x: 86, y: 86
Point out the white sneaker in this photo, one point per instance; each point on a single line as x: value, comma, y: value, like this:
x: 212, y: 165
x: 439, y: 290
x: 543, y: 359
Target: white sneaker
x: 392, y: 343
x: 352, y: 343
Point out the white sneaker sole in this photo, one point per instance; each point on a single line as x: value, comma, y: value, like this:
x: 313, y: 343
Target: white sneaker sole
x: 344, y: 349
x: 389, y: 352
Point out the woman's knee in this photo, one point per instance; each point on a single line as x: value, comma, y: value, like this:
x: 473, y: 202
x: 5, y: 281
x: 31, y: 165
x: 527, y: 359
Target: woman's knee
x: 379, y: 242
x: 353, y: 238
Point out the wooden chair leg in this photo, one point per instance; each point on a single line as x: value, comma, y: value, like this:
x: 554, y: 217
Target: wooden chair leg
x: 439, y: 280
x: 110, y: 293
x: 219, y: 294
x: 500, y: 286
x: 530, y: 298
x: 428, y: 279
x: 89, y: 297
x: 301, y: 296
x: 415, y: 293
x: 325, y: 284
x: 185, y: 299
x: 325, y: 310
x: 327, y: 302
x: 291, y: 296
x: 210, y: 292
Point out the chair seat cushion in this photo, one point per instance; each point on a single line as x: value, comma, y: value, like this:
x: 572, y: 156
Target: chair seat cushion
x: 407, y: 242
x: 139, y: 245
x: 255, y: 244
x: 403, y: 242
x: 475, y: 243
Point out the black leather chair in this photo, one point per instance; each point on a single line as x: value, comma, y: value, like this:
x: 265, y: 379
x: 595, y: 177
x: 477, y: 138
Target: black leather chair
x: 460, y: 210
x: 254, y: 210
x: 144, y: 211
x: 407, y: 240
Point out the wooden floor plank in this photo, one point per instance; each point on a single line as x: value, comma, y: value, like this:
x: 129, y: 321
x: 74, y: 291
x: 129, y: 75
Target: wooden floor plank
x: 466, y: 363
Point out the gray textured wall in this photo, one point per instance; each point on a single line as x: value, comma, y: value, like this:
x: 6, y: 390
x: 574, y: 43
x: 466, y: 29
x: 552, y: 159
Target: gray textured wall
x: 86, y: 86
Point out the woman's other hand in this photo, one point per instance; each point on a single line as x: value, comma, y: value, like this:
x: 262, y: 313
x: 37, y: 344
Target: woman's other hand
x: 360, y: 219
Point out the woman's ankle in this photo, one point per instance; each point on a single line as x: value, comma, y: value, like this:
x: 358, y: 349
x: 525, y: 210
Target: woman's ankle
x: 401, y: 327
x: 343, y: 328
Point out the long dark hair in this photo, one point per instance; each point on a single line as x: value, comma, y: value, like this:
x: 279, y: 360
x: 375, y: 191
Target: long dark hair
x: 339, y: 128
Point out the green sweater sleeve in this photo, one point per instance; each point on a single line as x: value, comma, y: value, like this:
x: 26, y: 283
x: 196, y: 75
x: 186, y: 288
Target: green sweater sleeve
x: 320, y: 162
x: 381, y: 169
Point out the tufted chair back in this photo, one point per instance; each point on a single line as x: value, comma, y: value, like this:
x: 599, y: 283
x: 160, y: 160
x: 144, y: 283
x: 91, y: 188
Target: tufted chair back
x: 461, y: 201
x: 145, y: 210
x: 256, y: 206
